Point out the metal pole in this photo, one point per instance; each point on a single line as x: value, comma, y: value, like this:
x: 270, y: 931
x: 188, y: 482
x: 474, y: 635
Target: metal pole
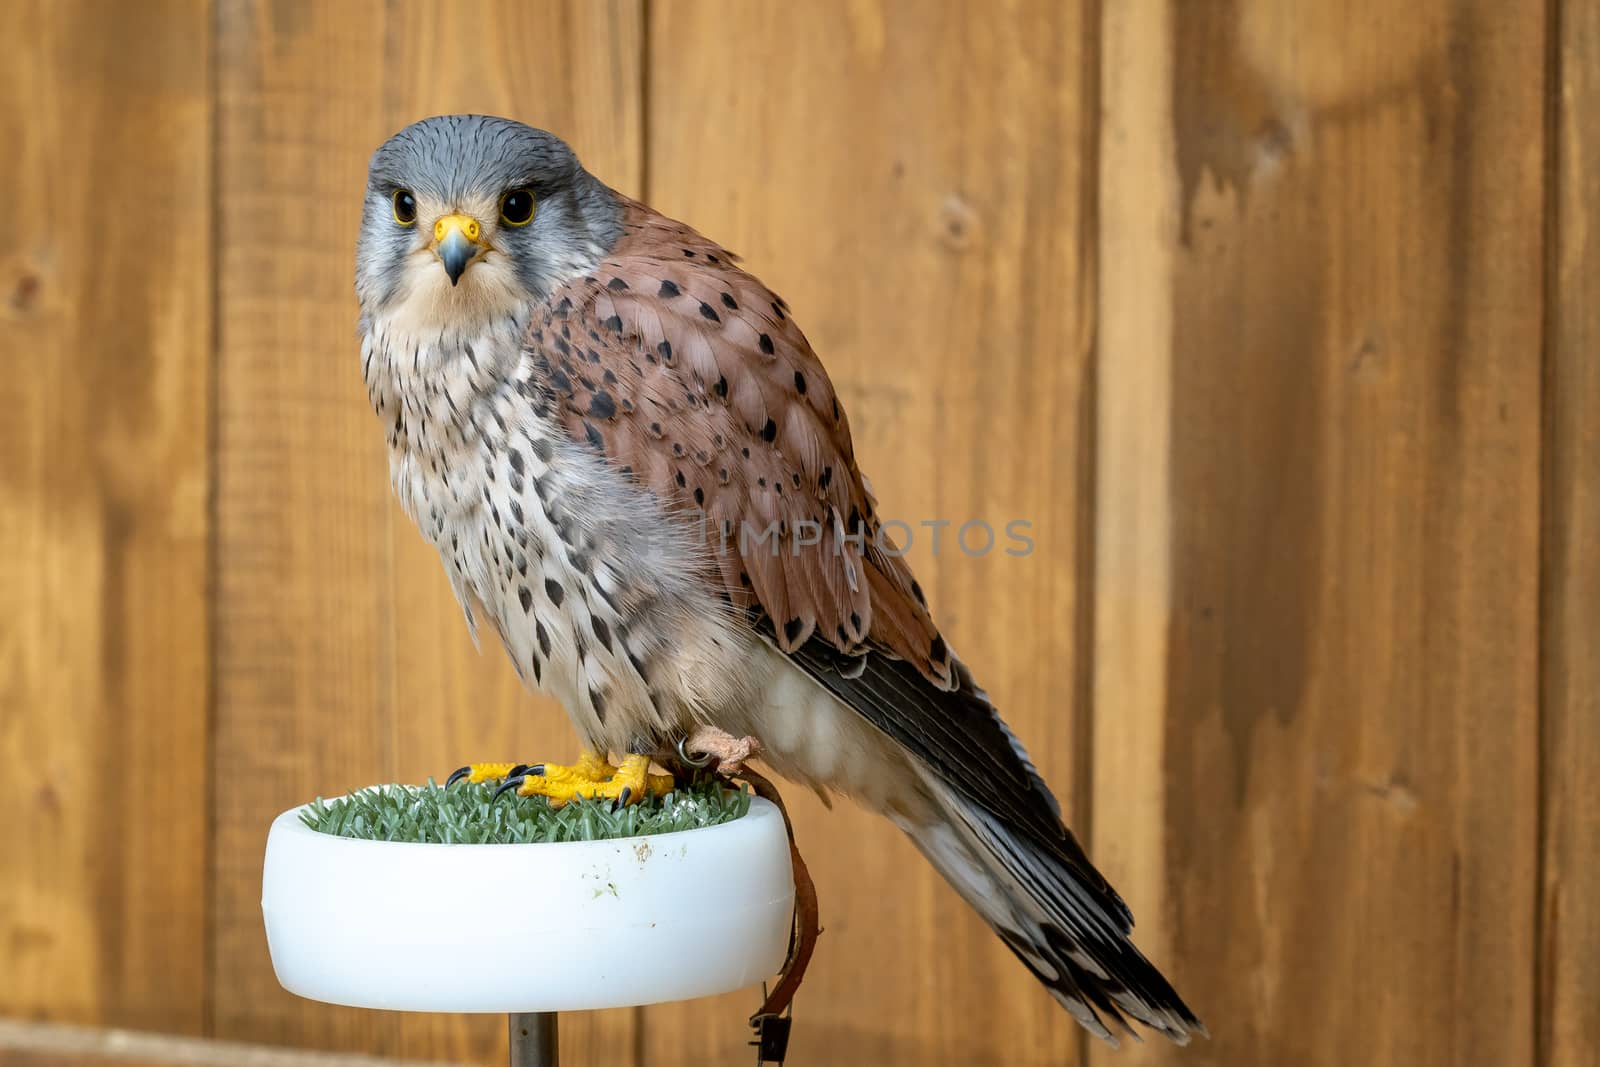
x: 533, y: 1039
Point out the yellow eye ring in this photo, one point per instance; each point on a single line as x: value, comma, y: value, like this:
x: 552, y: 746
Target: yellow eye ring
x: 516, y: 207
x: 405, y: 207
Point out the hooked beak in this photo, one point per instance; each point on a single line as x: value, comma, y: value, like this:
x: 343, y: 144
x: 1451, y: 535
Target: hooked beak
x: 456, y: 240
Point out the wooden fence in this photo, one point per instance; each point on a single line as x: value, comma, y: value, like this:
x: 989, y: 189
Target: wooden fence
x: 1278, y: 319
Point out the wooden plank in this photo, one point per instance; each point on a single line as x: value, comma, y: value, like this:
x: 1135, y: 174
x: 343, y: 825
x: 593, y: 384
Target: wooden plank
x: 105, y: 330
x: 26, y: 1044
x: 1569, y: 894
x: 342, y: 658
x: 910, y: 176
x: 1346, y: 231
x: 1132, y: 589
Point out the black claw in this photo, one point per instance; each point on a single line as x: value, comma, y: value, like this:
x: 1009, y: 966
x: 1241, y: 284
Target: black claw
x: 511, y: 783
x: 536, y: 769
x: 521, y: 768
x: 622, y: 801
x: 456, y: 776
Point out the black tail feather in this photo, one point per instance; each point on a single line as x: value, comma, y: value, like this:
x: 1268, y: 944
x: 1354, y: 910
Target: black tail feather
x: 1002, y: 844
x: 1055, y: 922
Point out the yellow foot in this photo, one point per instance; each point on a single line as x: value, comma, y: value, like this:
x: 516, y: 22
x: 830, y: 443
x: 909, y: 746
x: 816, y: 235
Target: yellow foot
x: 484, y: 772
x: 589, y: 765
x: 591, y: 776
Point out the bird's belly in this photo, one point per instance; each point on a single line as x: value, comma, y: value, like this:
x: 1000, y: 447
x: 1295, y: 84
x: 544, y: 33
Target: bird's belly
x: 703, y: 667
x: 587, y: 609
x: 603, y: 601
x: 809, y: 736
x: 558, y: 607
x: 595, y: 593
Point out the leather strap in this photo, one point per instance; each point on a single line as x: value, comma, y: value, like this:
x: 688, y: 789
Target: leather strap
x: 770, y: 1024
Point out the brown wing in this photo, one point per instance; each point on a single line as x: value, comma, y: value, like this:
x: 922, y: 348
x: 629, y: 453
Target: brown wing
x: 689, y: 374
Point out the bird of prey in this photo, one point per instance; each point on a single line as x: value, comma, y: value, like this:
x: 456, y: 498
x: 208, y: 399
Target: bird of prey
x: 638, y: 475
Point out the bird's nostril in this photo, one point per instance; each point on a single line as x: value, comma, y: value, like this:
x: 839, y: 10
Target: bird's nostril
x: 468, y: 227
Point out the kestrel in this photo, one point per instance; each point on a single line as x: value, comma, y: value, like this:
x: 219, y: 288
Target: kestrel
x: 638, y: 475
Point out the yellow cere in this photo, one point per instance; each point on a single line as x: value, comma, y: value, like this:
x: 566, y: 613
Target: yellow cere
x: 469, y: 227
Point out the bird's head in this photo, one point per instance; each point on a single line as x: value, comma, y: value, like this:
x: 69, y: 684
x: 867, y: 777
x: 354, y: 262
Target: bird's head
x: 469, y: 217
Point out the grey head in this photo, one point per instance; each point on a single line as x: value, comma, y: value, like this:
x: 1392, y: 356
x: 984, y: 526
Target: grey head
x: 470, y: 216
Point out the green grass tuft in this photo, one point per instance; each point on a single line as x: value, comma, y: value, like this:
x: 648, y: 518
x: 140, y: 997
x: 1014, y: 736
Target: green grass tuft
x: 467, y: 814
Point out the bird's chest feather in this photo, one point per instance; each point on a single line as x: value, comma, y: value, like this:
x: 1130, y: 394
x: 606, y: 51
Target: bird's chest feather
x: 589, y: 585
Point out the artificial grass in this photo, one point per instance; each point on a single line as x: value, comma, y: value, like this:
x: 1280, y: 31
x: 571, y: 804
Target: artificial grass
x: 469, y: 814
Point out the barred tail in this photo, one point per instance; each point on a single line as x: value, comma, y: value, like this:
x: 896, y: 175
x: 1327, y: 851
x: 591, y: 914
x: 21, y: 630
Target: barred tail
x: 1054, y: 918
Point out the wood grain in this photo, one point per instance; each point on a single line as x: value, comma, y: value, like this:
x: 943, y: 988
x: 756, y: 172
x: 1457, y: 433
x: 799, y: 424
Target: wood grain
x: 1238, y: 303
x: 1344, y: 822
x: 26, y: 1044
x: 1569, y: 893
x: 104, y: 400
x: 1132, y: 582
x: 910, y: 177
x: 342, y: 657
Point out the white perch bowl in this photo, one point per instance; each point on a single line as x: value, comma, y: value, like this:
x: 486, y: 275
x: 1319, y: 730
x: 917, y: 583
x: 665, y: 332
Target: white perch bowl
x: 520, y: 928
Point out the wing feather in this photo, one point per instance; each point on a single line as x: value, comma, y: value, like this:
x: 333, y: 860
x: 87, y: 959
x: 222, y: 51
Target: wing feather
x: 690, y: 374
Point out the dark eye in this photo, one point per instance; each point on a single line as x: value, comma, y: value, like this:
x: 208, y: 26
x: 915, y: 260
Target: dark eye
x: 516, y: 208
x: 405, y: 207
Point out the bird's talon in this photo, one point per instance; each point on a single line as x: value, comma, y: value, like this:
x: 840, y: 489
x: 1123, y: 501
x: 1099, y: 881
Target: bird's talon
x: 475, y: 773
x: 592, y: 776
